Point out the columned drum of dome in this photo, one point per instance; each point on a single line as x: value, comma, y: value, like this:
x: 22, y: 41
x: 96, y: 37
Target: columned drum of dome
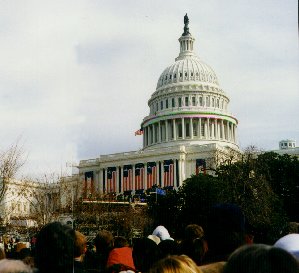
x: 188, y: 106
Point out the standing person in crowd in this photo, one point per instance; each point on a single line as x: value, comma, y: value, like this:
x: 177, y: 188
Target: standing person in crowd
x: 54, y: 249
x: 145, y: 253
x: 120, y: 257
x: 226, y: 231
x: 175, y: 264
x: 194, y: 244
x: 103, y: 244
x: 79, y: 251
x: 261, y: 259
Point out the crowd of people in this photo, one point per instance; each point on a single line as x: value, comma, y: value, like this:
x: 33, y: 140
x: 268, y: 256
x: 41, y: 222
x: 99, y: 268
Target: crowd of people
x: 225, y: 246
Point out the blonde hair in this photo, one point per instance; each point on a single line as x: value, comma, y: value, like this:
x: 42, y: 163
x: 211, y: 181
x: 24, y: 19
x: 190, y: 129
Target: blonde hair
x: 80, y: 244
x: 175, y: 264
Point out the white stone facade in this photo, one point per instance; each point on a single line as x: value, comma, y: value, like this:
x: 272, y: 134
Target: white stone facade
x: 188, y: 125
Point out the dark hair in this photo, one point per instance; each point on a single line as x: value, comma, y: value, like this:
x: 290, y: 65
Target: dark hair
x: 261, y: 259
x: 168, y: 247
x: 54, y: 248
x: 103, y: 241
x: 120, y: 241
x: 145, y: 254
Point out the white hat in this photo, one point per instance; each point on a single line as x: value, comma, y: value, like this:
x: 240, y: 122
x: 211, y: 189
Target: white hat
x: 289, y: 243
x: 155, y: 238
x: 162, y: 233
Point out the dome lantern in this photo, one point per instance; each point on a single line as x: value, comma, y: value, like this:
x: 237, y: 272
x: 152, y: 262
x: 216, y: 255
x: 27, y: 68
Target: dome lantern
x: 186, y: 42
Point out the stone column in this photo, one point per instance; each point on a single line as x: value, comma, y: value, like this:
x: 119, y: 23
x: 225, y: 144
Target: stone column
x: 174, y: 129
x: 183, y: 129
x: 101, y: 182
x: 117, y: 180
x: 227, y: 130
x: 199, y: 128
x: 222, y: 129
x: 191, y: 128
x: 105, y: 183
x: 216, y: 129
x: 159, y: 133
x: 208, y: 128
x: 154, y: 133
x: 166, y: 130
x: 122, y: 177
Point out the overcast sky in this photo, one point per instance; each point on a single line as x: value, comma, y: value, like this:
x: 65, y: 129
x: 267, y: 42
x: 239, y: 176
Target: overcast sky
x: 76, y: 75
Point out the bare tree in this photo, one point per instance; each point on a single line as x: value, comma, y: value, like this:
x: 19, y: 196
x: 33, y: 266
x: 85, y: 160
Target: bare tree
x: 11, y: 160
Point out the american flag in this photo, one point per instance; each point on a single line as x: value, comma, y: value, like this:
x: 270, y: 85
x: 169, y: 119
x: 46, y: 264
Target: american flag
x: 139, y: 132
x: 139, y: 176
x: 88, y: 183
x: 151, y: 174
x: 200, y: 166
x: 111, y: 179
x: 128, y: 178
x: 168, y: 173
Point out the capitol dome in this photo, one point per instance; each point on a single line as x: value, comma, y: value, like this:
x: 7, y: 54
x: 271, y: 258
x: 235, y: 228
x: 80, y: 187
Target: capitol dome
x: 188, y: 70
x: 188, y: 106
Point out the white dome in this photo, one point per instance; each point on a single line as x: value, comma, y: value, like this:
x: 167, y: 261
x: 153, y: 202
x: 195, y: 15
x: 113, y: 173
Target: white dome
x: 189, y: 69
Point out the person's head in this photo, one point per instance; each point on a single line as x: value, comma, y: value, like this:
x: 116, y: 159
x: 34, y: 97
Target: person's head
x: 120, y: 241
x: 14, y: 266
x: 145, y: 254
x: 175, y: 264
x: 80, y: 244
x: 290, y: 243
x: 168, y: 247
x: 226, y: 231
x: 261, y: 259
x: 54, y: 248
x: 162, y: 233
x: 193, y: 231
x: 194, y: 243
x: 103, y: 241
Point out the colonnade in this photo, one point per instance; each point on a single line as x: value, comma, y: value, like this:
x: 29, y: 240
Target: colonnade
x: 189, y: 128
x: 150, y: 173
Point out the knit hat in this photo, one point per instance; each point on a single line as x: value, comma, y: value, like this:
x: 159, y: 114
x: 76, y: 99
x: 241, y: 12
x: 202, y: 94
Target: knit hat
x: 290, y: 243
x: 162, y: 233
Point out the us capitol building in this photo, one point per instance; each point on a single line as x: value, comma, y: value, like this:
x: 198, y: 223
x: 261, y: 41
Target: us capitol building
x: 189, y: 124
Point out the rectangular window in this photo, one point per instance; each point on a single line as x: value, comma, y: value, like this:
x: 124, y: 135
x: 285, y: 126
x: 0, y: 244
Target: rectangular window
x: 200, y: 101
x: 180, y: 102
x: 166, y: 102
x: 186, y: 101
x: 161, y: 103
x: 193, y: 101
x: 173, y: 102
